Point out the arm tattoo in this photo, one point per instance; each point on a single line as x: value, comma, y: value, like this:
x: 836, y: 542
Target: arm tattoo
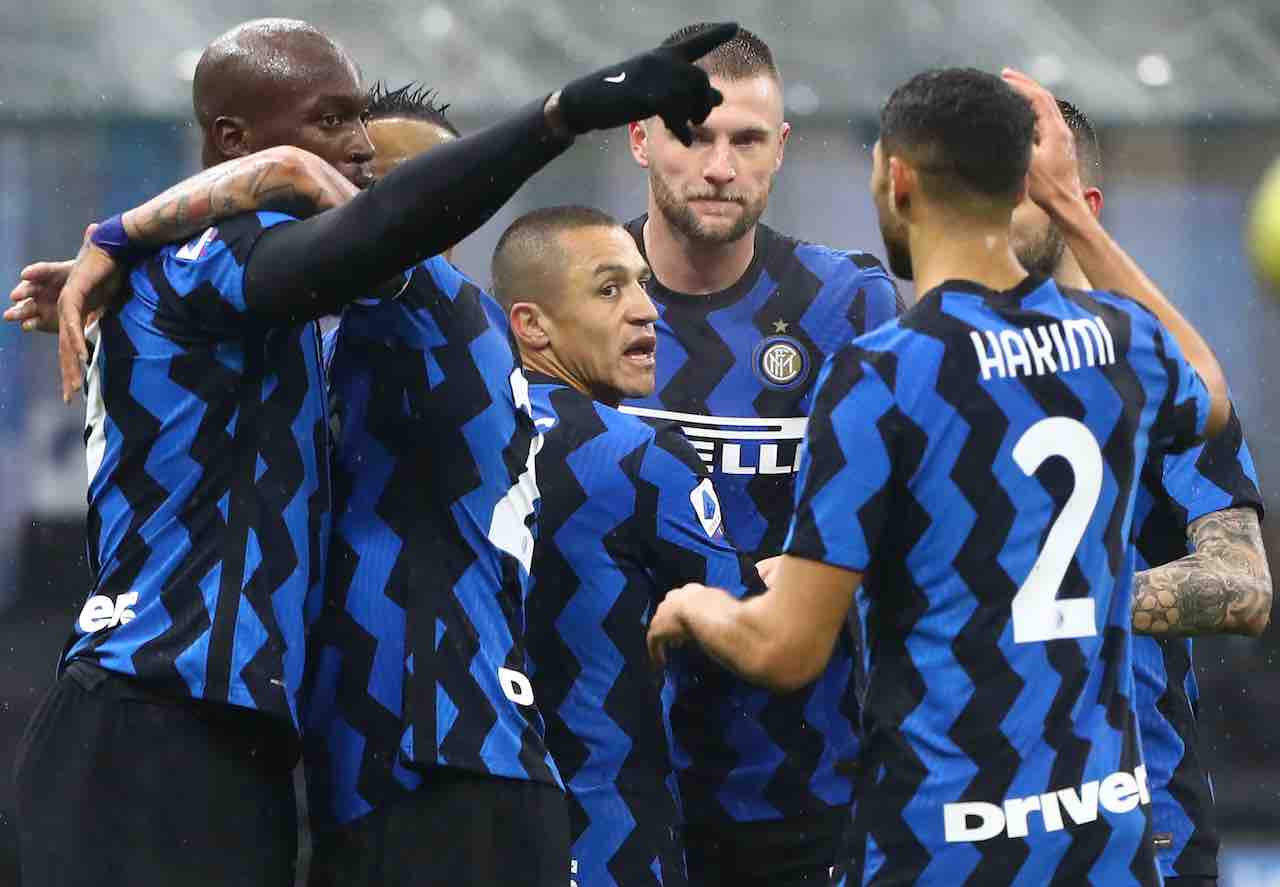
x: 241, y: 185
x: 1223, y: 587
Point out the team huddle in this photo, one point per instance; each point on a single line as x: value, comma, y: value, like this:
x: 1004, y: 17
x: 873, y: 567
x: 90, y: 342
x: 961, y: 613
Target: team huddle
x: 685, y: 554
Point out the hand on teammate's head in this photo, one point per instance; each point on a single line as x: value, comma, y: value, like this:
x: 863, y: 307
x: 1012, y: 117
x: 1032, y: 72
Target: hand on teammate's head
x: 662, y: 82
x: 1054, y: 175
x: 93, y: 281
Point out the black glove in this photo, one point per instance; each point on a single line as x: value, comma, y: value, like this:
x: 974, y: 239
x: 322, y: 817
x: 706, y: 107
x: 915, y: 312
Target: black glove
x: 662, y: 82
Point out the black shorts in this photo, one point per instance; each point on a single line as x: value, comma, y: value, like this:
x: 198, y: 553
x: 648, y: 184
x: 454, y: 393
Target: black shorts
x: 779, y: 853
x: 116, y: 786
x: 1190, y: 881
x: 459, y: 828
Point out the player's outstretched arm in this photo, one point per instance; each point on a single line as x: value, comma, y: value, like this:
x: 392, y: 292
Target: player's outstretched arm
x: 781, y: 639
x: 1224, y: 587
x: 1054, y: 184
x: 434, y: 200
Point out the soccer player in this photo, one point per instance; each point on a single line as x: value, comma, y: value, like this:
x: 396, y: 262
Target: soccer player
x: 1203, y: 570
x: 208, y: 454
x: 748, y: 315
x: 406, y: 122
x: 970, y: 471
x: 627, y: 512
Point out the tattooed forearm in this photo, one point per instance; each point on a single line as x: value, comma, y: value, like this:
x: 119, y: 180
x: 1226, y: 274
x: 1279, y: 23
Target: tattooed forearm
x: 282, y: 179
x: 1224, y: 587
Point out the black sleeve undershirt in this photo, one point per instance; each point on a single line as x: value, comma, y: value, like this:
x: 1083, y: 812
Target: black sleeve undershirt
x: 429, y: 203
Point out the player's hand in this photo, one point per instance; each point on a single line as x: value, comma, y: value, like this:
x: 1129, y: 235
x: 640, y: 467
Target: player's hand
x: 1054, y: 176
x: 35, y: 298
x: 94, y: 280
x: 668, y: 628
x: 301, y: 184
x: 662, y: 82
x: 768, y: 567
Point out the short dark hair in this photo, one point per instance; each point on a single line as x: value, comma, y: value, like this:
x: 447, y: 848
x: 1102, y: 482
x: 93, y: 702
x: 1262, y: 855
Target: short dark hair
x: 414, y: 101
x: 531, y: 240
x: 1088, y: 150
x: 746, y: 55
x: 966, y: 131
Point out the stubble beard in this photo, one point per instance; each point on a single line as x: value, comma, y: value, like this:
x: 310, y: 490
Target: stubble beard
x: 680, y: 215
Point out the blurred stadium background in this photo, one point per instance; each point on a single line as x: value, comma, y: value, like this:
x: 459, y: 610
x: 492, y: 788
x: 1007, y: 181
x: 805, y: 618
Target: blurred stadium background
x: 94, y: 116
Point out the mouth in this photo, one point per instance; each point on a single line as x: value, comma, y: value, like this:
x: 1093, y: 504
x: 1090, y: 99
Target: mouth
x: 642, y: 352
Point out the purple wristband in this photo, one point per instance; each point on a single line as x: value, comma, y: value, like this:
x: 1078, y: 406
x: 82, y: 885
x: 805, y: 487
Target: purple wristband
x: 111, y: 238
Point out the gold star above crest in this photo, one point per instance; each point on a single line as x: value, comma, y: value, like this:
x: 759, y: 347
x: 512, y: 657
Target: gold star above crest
x: 780, y: 326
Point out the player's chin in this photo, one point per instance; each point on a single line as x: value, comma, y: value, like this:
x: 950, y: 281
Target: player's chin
x: 638, y: 376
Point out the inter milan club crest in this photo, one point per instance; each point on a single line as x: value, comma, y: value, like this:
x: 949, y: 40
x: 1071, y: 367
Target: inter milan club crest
x: 781, y: 362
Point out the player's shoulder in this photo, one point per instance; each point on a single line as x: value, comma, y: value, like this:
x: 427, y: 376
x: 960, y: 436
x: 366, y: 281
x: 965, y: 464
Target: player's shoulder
x: 563, y: 412
x: 851, y: 262
x: 233, y: 237
x: 1093, y: 301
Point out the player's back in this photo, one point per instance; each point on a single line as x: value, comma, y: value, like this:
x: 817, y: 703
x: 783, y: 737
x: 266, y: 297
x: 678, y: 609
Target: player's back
x: 420, y: 656
x: 1005, y: 432
x: 208, y: 481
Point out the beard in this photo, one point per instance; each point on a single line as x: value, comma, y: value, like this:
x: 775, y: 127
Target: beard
x: 896, y: 248
x: 680, y: 215
x: 1042, y: 255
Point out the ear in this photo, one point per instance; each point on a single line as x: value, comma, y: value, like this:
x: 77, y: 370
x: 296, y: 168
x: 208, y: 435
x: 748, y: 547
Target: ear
x: 639, y: 140
x: 902, y: 184
x: 231, y: 137
x: 529, y: 325
x: 783, y: 135
x: 1093, y: 197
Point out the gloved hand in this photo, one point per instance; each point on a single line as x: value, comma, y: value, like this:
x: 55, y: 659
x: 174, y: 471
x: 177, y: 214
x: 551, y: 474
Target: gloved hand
x: 662, y: 82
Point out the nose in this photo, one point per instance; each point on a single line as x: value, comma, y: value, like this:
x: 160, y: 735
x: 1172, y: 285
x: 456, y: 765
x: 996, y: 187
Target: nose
x: 719, y: 169
x: 642, y: 310
x: 361, y: 148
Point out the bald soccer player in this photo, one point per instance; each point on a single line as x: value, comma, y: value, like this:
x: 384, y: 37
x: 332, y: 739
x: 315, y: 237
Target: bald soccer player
x: 163, y: 753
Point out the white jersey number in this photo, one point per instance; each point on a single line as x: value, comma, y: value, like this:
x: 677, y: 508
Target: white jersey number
x: 1038, y: 615
x: 509, y: 527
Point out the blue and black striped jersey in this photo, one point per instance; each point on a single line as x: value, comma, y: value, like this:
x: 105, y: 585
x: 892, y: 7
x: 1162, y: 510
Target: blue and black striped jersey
x: 419, y: 653
x: 978, y: 461
x: 1177, y: 490
x: 208, y: 456
x: 736, y: 371
x: 628, y: 512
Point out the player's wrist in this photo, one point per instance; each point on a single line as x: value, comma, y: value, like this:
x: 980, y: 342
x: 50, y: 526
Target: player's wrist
x: 113, y: 238
x: 1069, y: 211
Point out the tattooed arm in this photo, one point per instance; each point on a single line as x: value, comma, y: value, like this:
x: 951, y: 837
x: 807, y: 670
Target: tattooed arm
x: 285, y: 179
x: 1224, y: 587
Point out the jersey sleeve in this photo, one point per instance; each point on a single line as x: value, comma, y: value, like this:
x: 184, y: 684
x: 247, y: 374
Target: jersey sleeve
x: 884, y: 302
x: 843, y: 483
x: 199, y: 285
x: 690, y: 543
x: 1214, y: 477
x: 1184, y: 409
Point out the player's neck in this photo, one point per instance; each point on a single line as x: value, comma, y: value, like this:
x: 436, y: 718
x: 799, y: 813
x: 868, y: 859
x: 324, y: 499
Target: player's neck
x: 1069, y: 274
x: 695, y: 267
x: 547, y: 363
x: 946, y: 248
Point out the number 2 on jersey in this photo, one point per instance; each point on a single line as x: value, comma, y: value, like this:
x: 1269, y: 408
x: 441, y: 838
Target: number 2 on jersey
x: 1038, y: 615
